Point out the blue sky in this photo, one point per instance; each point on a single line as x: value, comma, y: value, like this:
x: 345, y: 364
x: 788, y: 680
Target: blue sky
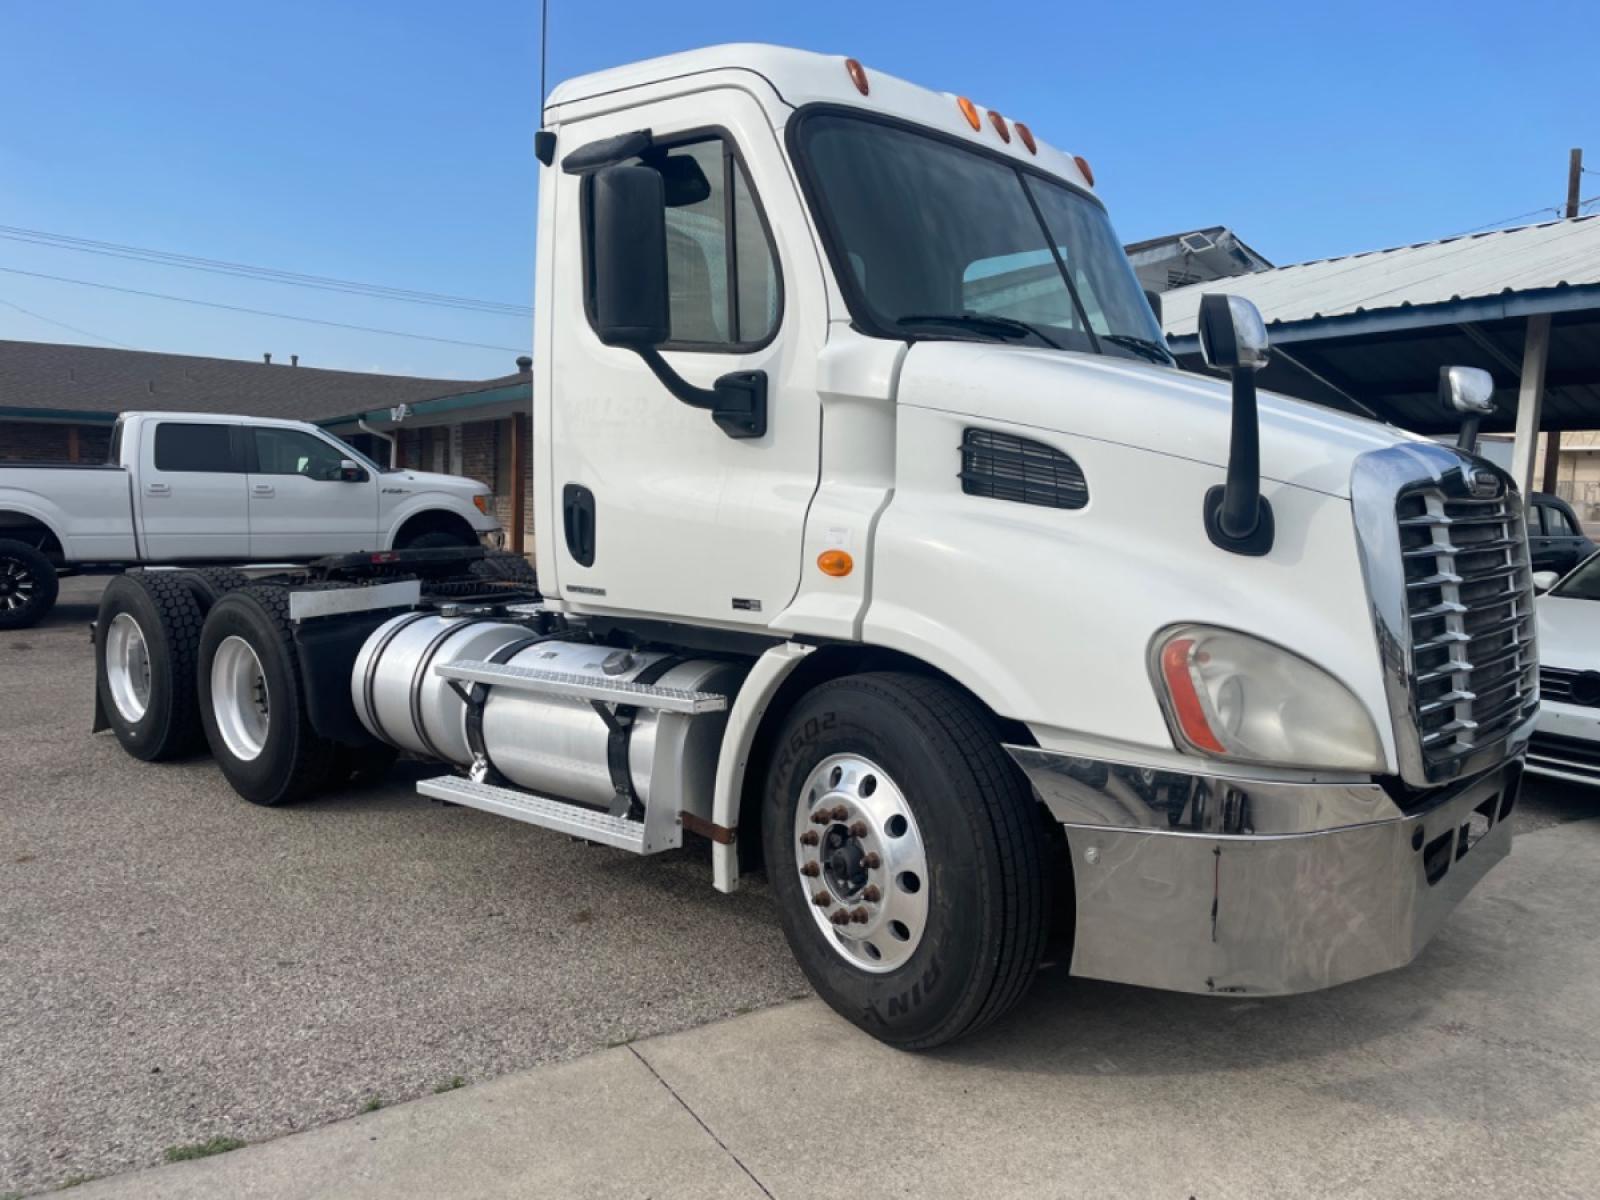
x: 391, y: 142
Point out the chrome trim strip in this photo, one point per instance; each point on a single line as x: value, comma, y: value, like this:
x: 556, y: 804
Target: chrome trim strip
x: 403, y: 593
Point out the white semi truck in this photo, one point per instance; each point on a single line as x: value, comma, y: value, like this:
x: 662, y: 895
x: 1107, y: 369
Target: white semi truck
x: 881, y: 543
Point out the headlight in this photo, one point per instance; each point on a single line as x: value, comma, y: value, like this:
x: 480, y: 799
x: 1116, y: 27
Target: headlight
x: 482, y: 501
x: 1229, y: 695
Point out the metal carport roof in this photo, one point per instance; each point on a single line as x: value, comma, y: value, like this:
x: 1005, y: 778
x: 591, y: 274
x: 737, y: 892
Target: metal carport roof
x: 1369, y: 332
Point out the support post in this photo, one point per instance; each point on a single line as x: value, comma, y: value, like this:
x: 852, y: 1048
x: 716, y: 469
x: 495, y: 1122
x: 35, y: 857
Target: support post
x: 519, y: 481
x: 1552, y: 461
x: 1530, y: 399
x: 72, y: 443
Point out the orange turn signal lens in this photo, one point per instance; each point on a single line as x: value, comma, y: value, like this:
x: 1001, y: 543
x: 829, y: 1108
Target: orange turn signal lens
x: 837, y: 563
x: 1186, y: 704
x: 1026, y: 135
x: 1083, y: 165
x: 482, y: 501
x: 858, y: 75
x: 1000, y: 127
x: 969, y: 110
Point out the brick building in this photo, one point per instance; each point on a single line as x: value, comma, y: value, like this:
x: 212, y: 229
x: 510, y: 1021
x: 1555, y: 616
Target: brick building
x: 58, y: 403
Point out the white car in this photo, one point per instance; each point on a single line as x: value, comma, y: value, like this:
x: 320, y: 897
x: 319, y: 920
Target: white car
x: 1566, y: 743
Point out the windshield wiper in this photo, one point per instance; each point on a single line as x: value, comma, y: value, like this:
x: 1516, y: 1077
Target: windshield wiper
x: 1154, y: 351
x: 983, y: 323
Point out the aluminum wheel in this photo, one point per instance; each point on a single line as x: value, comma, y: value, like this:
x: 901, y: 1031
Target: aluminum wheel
x: 239, y: 698
x: 17, y: 585
x: 862, y: 862
x: 128, y: 668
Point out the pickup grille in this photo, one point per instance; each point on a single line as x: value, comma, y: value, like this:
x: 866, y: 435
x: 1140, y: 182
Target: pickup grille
x: 1005, y: 467
x: 1571, y: 687
x: 1469, y: 608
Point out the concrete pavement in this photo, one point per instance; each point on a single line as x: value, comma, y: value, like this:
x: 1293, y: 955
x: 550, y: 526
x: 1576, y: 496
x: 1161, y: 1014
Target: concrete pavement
x: 1473, y: 1072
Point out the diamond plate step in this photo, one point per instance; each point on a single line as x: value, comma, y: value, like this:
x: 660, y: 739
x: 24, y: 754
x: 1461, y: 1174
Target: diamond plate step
x: 583, y: 687
x: 546, y: 813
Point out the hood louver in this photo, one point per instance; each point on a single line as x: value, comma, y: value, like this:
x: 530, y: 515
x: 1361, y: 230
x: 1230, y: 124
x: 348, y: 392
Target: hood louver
x: 1005, y: 467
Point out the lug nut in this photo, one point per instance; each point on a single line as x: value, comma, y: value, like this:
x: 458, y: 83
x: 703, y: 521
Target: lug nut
x: 821, y: 817
x: 858, y: 829
x: 809, y: 838
x: 840, y: 812
x: 822, y: 899
x: 871, y: 894
x: 859, y: 916
x: 839, y: 917
x: 810, y: 870
x: 872, y: 862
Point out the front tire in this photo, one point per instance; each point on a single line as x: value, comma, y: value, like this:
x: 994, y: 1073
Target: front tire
x: 252, y: 700
x: 28, y: 585
x: 908, y: 856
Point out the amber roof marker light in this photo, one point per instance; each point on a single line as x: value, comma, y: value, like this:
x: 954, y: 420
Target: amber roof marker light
x: 969, y: 110
x: 858, y: 75
x: 1000, y: 126
x: 1083, y: 165
x: 1026, y: 135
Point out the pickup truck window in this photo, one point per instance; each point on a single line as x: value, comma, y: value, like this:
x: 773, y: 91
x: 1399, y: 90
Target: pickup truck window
x: 290, y: 452
x: 931, y: 237
x: 181, y: 446
x: 722, y: 274
x: 1554, y: 521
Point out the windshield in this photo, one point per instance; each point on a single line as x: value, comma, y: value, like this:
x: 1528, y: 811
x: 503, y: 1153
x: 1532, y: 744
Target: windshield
x: 933, y: 239
x: 1583, y: 583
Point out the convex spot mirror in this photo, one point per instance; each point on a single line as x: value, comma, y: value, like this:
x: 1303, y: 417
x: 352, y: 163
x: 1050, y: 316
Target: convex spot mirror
x: 1232, y: 333
x: 1466, y: 390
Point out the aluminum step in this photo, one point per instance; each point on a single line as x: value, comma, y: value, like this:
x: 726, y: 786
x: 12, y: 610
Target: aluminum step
x: 559, y: 815
x: 583, y: 687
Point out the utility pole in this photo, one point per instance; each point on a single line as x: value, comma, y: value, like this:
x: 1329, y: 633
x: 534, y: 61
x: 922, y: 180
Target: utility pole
x: 1552, y: 440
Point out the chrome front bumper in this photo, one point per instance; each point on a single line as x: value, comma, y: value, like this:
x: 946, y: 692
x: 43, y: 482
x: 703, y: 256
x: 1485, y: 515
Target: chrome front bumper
x: 1210, y: 884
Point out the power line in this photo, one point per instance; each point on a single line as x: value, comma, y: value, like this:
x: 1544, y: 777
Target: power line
x: 1553, y: 208
x: 261, y: 312
x: 61, y: 241
x: 99, y: 337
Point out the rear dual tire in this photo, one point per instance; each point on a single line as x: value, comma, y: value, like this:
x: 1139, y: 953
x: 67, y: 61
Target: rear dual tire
x: 146, y: 636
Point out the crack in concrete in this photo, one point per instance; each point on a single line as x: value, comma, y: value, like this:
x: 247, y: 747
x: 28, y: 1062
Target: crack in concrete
x: 674, y: 1093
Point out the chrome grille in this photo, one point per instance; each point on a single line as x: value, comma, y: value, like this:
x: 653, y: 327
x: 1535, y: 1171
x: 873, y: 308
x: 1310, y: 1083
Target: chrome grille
x: 1469, y: 613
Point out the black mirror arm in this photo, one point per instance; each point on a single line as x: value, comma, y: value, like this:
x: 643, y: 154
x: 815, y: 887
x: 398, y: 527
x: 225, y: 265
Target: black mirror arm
x: 1237, y: 516
x: 1467, y: 439
x: 737, y: 401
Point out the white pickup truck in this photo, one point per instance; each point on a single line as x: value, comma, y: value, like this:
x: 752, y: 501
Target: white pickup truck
x: 204, y: 488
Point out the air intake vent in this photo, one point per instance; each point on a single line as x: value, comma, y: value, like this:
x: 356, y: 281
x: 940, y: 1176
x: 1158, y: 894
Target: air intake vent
x: 1004, y: 467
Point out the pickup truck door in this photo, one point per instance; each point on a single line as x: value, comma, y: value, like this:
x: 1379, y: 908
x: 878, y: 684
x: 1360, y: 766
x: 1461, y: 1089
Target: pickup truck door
x: 190, y: 491
x: 654, y: 508
x: 300, y: 505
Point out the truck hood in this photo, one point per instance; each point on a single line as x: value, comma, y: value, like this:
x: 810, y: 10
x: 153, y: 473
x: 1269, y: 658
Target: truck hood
x: 1153, y: 408
x: 429, y: 481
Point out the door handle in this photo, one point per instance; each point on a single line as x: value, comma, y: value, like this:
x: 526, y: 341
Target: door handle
x: 262, y: 489
x: 158, y: 489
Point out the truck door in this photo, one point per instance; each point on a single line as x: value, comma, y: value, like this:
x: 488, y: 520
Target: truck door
x: 301, y: 503
x: 652, y: 507
x: 191, y: 492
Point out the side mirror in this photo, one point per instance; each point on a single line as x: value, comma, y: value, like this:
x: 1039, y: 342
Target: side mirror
x: 628, y: 257
x: 1543, y: 581
x: 1468, y: 391
x: 351, y: 471
x: 1233, y: 338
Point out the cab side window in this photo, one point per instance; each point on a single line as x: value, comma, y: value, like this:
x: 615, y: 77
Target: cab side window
x: 291, y: 452
x: 723, y: 286
x: 182, y: 446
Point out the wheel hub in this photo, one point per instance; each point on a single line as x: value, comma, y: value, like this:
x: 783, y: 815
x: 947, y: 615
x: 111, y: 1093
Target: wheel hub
x: 16, y: 584
x: 862, y: 862
x: 128, y: 667
x: 239, y: 698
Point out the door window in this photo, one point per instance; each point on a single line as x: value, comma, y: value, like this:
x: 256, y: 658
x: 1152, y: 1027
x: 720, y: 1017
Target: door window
x: 290, y: 452
x: 723, y: 285
x: 186, y: 447
x: 1557, y: 523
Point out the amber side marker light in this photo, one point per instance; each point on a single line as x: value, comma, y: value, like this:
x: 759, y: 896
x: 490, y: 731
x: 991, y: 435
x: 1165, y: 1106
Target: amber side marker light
x: 1083, y: 165
x: 1026, y: 135
x: 836, y: 563
x: 1186, y: 704
x: 1000, y: 126
x: 969, y: 110
x: 858, y: 75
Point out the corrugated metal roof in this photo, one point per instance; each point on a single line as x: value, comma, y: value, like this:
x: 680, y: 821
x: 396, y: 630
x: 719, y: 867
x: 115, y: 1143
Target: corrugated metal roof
x: 1473, y: 266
